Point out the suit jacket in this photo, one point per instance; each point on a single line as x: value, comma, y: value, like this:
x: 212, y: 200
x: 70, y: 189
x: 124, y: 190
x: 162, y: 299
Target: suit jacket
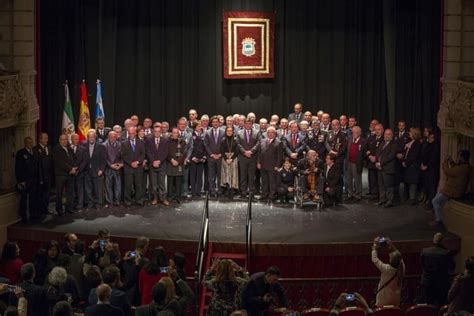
x: 293, y: 117
x: 129, y: 156
x: 173, y: 154
x: 199, y: 149
x: 252, y: 145
x: 298, y: 148
x: 103, y: 310
x: 361, y: 150
x: 460, y: 294
x: 80, y: 158
x: 372, y: 146
x: 118, y: 299
x: 213, y: 147
x: 255, y: 289
x: 401, y: 140
x: 412, y: 160
x: 280, y: 133
x: 102, y: 134
x: 95, y: 162
x: 386, y: 155
x: 333, y: 177
x: 26, y: 166
x: 436, y: 262
x: 63, y: 161
x: 270, y: 155
x: 187, y: 136
x: 113, y: 153
x: 317, y: 141
x: 36, y: 297
x: 45, y: 163
x: 153, y: 153
x: 337, y: 142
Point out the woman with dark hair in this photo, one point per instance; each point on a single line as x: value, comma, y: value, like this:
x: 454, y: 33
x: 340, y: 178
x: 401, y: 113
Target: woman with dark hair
x: 429, y: 170
x: 10, y: 264
x: 151, y: 273
x: 411, y: 165
x: 46, y: 259
x: 226, y: 285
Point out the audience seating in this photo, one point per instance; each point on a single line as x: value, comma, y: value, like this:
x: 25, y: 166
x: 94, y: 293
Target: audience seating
x: 422, y: 310
x: 389, y: 310
x: 443, y: 310
x: 352, y: 311
x: 316, y: 311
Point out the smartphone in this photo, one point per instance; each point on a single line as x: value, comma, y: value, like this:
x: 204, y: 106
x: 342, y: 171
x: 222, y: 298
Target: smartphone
x: 132, y: 254
x: 382, y: 240
x: 102, y: 243
x: 163, y: 269
x: 13, y: 288
x: 350, y: 297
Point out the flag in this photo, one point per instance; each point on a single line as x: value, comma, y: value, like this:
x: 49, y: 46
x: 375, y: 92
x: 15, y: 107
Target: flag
x: 84, y: 123
x: 68, y: 117
x: 99, y: 108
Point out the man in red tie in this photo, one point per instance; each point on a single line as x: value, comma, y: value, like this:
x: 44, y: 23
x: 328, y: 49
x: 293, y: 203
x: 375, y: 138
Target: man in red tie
x: 270, y: 158
x: 294, y: 143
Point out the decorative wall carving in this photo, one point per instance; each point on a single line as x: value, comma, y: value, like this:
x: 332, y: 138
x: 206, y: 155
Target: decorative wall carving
x: 457, y: 107
x: 13, y: 100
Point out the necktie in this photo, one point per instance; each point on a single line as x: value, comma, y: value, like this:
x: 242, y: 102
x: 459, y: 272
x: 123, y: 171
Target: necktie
x: 133, y: 145
x: 293, y: 140
x: 74, y: 149
x: 157, y: 142
x: 216, y: 134
x: 46, y: 150
x: 248, y: 136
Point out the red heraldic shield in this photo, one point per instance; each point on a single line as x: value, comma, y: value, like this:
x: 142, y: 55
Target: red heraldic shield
x: 248, y: 39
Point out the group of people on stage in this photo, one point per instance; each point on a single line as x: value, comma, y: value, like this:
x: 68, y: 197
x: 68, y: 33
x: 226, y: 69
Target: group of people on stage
x: 227, y: 156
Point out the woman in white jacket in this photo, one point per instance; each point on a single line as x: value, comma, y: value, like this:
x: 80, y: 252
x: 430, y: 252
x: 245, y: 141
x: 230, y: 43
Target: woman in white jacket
x: 391, y: 278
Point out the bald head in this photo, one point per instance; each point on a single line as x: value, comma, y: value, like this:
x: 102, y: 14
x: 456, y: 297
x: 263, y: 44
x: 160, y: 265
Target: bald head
x: 438, y: 238
x: 104, y: 292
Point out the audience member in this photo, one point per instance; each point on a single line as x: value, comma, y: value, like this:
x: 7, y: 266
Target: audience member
x: 151, y: 273
x: 34, y: 294
x: 460, y: 294
x: 10, y: 263
x: 103, y: 306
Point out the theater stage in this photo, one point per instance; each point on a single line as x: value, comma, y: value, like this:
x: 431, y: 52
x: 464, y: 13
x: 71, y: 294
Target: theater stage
x: 275, y: 223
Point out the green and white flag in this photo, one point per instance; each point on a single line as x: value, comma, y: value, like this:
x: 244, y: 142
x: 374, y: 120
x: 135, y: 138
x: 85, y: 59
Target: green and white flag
x: 68, y: 117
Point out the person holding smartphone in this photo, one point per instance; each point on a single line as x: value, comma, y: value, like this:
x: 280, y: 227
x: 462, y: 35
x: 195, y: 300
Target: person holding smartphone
x: 346, y: 300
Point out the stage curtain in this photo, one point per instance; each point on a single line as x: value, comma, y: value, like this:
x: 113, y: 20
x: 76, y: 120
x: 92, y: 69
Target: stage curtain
x: 370, y: 58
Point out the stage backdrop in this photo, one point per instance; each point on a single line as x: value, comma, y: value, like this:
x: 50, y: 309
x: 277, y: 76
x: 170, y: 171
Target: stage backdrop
x: 370, y: 58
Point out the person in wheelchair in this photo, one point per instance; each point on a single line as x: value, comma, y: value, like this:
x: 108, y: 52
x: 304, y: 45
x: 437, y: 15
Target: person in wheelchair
x: 332, y: 181
x: 286, y: 182
x: 311, y: 180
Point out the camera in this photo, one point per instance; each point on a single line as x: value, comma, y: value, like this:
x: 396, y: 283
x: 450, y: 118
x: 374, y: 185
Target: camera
x: 102, y: 243
x: 163, y: 269
x: 132, y: 254
x: 13, y: 288
x: 350, y: 297
x: 382, y: 240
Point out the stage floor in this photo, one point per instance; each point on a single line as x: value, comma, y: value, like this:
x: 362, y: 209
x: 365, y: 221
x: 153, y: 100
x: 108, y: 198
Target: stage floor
x: 276, y: 223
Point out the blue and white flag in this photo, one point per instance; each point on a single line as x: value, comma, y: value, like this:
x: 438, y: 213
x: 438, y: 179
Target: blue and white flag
x: 99, y: 108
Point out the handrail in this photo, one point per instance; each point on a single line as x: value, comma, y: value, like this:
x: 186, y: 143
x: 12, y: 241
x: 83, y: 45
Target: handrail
x: 248, y: 231
x: 202, y: 247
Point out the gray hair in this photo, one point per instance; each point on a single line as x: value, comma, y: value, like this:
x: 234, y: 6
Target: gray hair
x: 57, y: 276
x: 117, y: 127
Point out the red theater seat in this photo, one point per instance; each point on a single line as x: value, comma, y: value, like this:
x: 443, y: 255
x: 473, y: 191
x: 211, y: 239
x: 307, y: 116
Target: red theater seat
x: 421, y: 310
x: 315, y: 311
x: 352, y: 311
x: 443, y: 310
x: 387, y: 311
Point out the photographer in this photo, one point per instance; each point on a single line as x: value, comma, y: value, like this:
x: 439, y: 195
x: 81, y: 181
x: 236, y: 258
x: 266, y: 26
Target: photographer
x: 97, y: 249
x: 457, y: 175
x: 21, y: 308
x: 261, y: 292
x: 132, y: 263
x: 350, y: 300
x: 391, y: 278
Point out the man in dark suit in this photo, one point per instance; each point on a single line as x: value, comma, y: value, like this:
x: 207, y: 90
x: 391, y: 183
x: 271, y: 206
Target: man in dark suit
x: 103, y: 306
x: 401, y: 138
x: 26, y: 172
x: 212, y: 142
x: 133, y: 154
x: 186, y: 134
x: 156, y: 147
x: 372, y: 146
x: 269, y: 161
x: 316, y: 139
x: 336, y: 143
x: 64, y: 171
x: 297, y: 115
x: 81, y: 159
x: 437, y: 263
x: 294, y: 144
x: 102, y: 131
x: 333, y: 181
x: 248, y: 141
x: 94, y: 171
x: 355, y: 159
x: 117, y: 298
x: 283, y: 129
x: 45, y: 174
x: 113, y: 170
x: 34, y: 294
x: 386, y: 155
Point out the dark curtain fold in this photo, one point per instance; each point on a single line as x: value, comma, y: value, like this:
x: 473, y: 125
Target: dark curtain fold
x: 158, y: 58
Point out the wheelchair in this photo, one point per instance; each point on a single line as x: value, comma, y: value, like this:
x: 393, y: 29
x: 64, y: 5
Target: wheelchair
x: 303, y: 196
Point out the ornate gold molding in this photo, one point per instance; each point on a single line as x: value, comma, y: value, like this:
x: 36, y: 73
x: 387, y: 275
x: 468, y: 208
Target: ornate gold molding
x: 457, y: 107
x: 13, y: 100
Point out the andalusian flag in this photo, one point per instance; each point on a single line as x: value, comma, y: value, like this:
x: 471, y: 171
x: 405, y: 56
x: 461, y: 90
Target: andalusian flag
x: 99, y: 108
x: 68, y: 116
x: 84, y: 123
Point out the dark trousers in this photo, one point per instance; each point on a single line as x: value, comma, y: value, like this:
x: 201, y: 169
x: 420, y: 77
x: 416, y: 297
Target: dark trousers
x: 133, y: 183
x: 43, y: 198
x: 185, y: 181
x: 283, y: 192
x: 436, y: 293
x: 333, y: 196
x: 214, y: 175
x: 247, y: 166
x: 397, y: 180
x: 29, y: 201
x: 158, y: 183
x: 174, y: 187
x: 385, y: 181
x: 94, y: 190
x: 353, y: 181
x: 304, y: 185
x: 196, y: 171
x: 430, y: 180
x: 373, y: 182
x: 64, y: 183
x: 113, y: 186
x: 206, y: 181
x: 269, y: 183
x: 79, y: 191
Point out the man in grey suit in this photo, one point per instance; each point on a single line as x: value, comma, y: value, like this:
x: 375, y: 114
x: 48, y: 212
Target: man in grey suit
x: 187, y: 135
x: 113, y: 172
x: 297, y: 115
x: 212, y: 143
x: 270, y: 156
x: 248, y: 141
x: 157, y: 152
x: 94, y: 171
x: 386, y: 155
x: 133, y: 154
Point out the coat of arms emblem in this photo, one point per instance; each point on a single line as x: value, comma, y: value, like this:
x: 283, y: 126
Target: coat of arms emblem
x: 248, y: 47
